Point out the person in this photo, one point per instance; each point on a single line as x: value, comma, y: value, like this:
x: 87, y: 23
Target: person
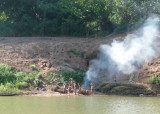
x: 74, y: 84
x: 79, y: 88
x: 69, y: 89
x: 86, y: 92
x: 65, y: 88
x: 92, y: 87
x: 71, y: 82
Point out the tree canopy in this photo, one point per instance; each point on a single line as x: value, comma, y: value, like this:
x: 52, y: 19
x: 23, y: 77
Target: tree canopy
x: 72, y: 17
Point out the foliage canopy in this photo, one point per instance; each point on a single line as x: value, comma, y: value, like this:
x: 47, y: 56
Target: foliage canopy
x: 72, y: 17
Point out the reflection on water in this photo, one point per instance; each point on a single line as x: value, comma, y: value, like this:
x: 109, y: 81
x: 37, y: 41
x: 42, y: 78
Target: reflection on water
x: 80, y: 105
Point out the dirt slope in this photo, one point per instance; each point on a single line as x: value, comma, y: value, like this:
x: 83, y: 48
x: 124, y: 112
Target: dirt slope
x: 50, y: 53
x: 45, y: 52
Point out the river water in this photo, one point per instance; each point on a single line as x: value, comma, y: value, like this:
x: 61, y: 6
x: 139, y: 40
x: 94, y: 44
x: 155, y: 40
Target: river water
x: 80, y: 105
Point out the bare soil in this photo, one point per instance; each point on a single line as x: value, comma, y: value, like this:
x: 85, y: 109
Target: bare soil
x: 49, y: 53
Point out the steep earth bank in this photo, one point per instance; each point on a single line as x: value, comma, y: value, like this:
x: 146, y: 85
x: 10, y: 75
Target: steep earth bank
x: 65, y: 53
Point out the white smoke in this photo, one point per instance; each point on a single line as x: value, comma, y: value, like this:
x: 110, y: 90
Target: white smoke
x: 125, y: 57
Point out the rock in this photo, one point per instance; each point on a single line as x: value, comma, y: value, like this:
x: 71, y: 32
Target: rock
x: 36, y: 88
x: 58, y: 89
x: 60, y: 84
x: 43, y: 89
x: 141, y: 95
x: 65, y: 68
x: 44, y: 65
x: 36, y: 80
x: 49, y: 65
x: 44, y: 61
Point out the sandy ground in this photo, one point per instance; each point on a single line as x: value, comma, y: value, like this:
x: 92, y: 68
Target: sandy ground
x: 50, y: 93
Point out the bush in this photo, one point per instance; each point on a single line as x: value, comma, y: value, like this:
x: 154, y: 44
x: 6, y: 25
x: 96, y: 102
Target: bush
x: 34, y: 68
x: 20, y: 76
x: 76, y: 52
x: 9, y: 85
x: 12, y: 80
x: 29, y: 79
x: 8, y: 89
x: 77, y: 76
x: 21, y: 85
x: 53, y: 77
x: 37, y: 83
x: 39, y: 75
x: 6, y: 74
x: 155, y: 80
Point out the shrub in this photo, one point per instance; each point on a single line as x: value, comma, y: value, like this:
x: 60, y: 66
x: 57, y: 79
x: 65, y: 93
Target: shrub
x: 155, y: 80
x: 21, y: 85
x: 20, y: 76
x: 8, y: 89
x: 10, y: 85
x: 37, y: 83
x: 39, y: 75
x: 6, y: 74
x: 34, y: 68
x: 77, y: 52
x: 29, y: 79
x: 53, y: 77
x: 77, y: 76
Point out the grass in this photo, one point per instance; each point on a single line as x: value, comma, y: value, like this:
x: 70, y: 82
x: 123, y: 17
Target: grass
x: 77, y: 52
x: 56, y: 48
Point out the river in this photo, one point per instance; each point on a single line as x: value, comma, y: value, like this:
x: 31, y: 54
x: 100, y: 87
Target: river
x: 79, y: 105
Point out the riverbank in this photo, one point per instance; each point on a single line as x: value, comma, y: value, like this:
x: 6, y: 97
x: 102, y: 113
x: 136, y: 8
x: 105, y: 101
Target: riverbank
x: 40, y: 61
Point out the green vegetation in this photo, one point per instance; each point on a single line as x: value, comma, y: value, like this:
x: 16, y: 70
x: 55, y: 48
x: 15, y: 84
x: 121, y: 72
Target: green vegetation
x: 34, y: 68
x: 54, y: 78
x: 11, y: 80
x: 56, y: 48
x: 77, y: 52
x: 8, y: 88
x: 77, y: 76
x: 155, y: 80
x: 73, y: 17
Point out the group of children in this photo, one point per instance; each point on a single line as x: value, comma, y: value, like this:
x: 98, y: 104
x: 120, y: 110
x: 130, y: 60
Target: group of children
x: 72, y: 88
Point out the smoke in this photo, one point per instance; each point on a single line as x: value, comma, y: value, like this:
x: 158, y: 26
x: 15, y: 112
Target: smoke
x: 125, y: 57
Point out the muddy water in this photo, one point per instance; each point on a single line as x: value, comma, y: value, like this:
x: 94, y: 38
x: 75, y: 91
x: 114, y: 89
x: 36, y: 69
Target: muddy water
x: 80, y: 105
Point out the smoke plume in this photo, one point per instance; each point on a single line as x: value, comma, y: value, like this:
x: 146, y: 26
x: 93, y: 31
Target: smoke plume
x: 125, y: 57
